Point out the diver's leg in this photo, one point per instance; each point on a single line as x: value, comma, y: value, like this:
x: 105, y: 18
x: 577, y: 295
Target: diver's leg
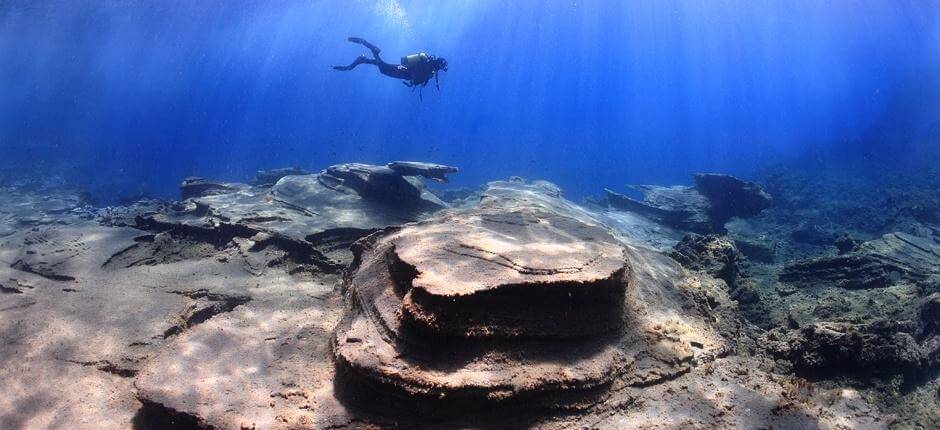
x: 359, y: 60
x: 392, y: 70
x: 375, y: 49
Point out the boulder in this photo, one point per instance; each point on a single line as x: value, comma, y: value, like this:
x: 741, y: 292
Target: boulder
x: 380, y: 184
x: 812, y: 234
x: 756, y: 250
x: 731, y: 197
x: 846, y: 244
x: 877, y: 348
x: 712, y: 254
x: 703, y: 208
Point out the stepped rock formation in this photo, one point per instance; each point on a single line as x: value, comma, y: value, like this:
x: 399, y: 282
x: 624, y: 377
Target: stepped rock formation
x: 513, y: 300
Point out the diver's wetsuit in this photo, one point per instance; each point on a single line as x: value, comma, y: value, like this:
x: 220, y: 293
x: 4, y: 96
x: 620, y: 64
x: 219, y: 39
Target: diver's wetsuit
x: 419, y: 76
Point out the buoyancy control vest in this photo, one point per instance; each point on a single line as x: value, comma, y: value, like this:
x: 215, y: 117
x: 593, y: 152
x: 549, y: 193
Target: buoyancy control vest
x: 419, y: 67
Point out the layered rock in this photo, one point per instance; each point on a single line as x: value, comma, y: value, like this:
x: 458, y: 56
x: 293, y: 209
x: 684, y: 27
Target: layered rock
x: 512, y: 300
x: 436, y: 172
x: 702, y: 208
x: 435, y: 298
x: 194, y: 186
x: 893, y: 258
x: 304, y: 211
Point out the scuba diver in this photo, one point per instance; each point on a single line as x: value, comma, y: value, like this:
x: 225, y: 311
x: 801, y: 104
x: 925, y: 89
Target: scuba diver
x: 416, y: 69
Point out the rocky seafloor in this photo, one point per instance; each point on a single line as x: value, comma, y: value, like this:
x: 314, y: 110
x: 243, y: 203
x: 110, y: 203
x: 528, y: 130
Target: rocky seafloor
x: 359, y: 297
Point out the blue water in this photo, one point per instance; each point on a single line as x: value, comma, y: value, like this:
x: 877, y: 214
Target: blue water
x: 120, y: 97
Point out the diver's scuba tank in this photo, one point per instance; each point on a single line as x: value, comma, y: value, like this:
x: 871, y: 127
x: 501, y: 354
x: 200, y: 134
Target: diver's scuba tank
x: 414, y: 60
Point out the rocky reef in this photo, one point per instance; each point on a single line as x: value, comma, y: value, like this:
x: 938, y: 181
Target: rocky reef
x: 357, y: 297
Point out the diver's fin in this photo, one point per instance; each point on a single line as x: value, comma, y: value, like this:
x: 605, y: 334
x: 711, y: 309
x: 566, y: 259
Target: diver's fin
x: 359, y: 60
x: 375, y: 49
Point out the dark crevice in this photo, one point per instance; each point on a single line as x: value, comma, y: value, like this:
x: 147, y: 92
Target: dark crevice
x: 45, y: 273
x: 109, y: 367
x: 122, y: 252
x: 19, y: 306
x: 9, y: 290
x: 221, y: 234
x: 201, y: 312
x: 154, y: 416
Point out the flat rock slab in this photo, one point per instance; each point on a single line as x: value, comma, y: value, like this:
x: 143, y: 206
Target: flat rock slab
x: 517, y: 274
x: 263, y: 365
x: 437, y: 172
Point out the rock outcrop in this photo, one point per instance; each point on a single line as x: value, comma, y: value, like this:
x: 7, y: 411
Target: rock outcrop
x: 893, y: 258
x: 712, y: 254
x: 872, y: 349
x: 267, y: 178
x: 508, y: 301
x: 301, y: 211
x: 436, y: 172
x: 703, y: 208
x: 877, y: 348
x: 200, y: 187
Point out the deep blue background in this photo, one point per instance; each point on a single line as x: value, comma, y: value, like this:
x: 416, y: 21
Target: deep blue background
x: 129, y: 96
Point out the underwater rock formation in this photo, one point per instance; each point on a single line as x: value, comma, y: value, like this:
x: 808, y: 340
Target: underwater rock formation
x: 703, y: 208
x: 517, y: 309
x: 881, y: 347
x: 874, y: 264
x: 267, y: 178
x: 200, y: 187
x: 877, y: 348
x: 719, y: 257
x: 436, y: 172
x: 715, y: 255
x: 521, y: 297
x: 304, y: 212
x: 443, y: 292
